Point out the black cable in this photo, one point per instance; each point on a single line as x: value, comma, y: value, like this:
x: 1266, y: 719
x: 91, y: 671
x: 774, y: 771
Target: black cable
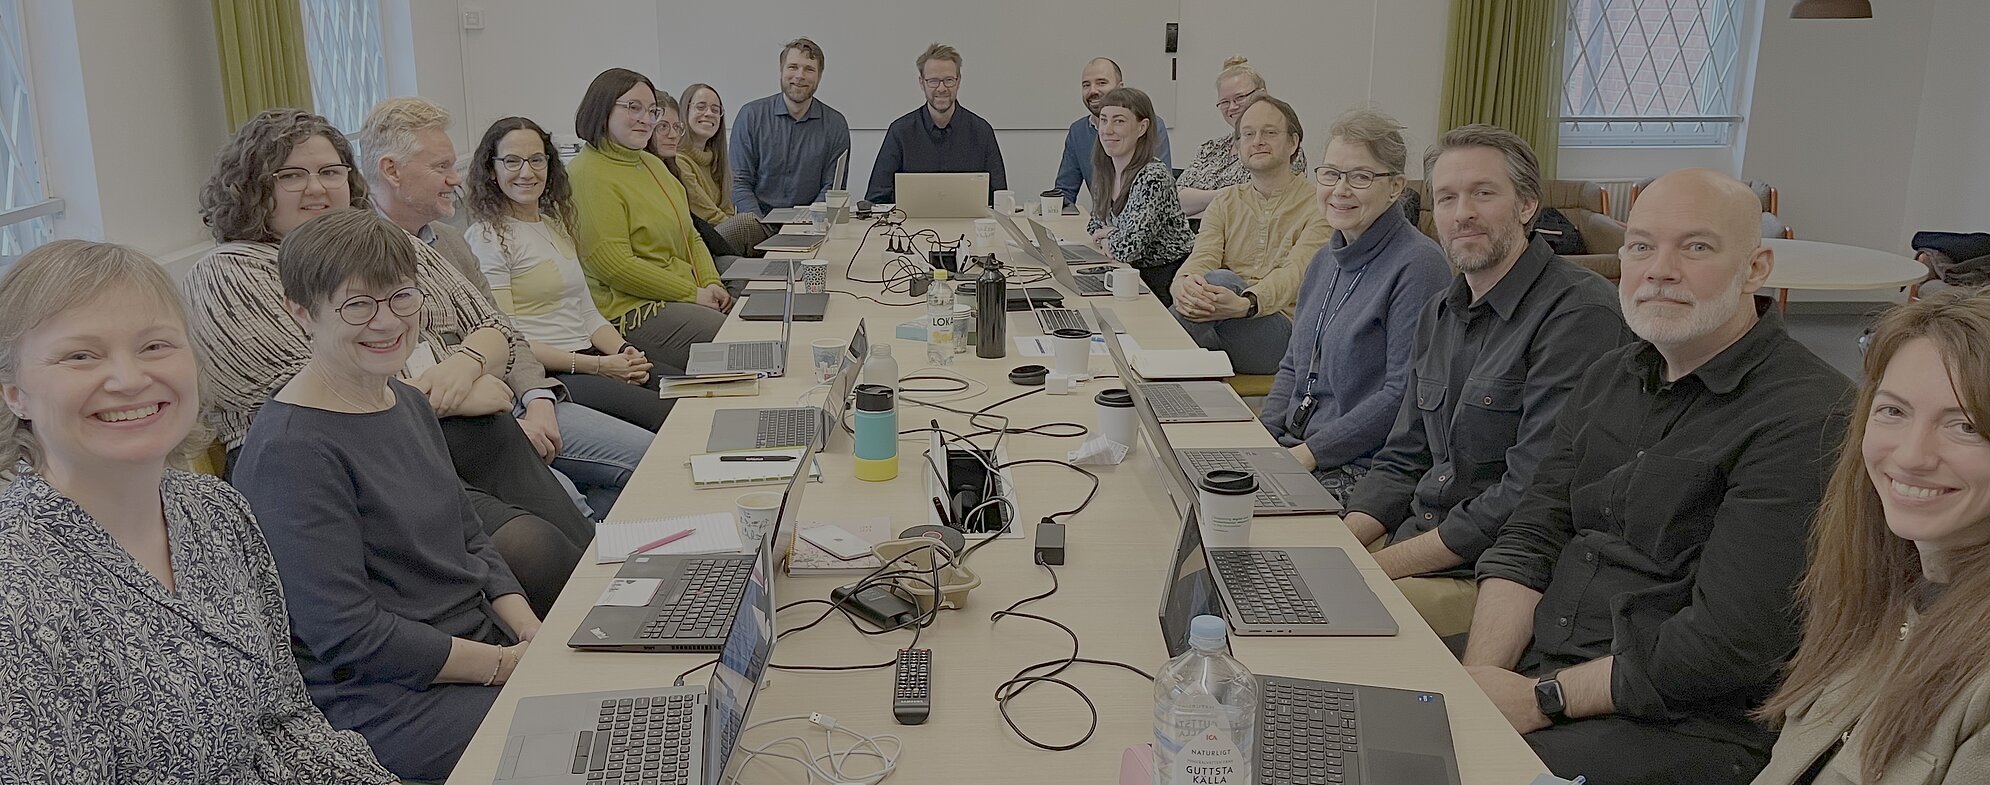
x: 902, y: 389
x: 1052, y: 518
x: 1024, y: 679
x: 880, y: 576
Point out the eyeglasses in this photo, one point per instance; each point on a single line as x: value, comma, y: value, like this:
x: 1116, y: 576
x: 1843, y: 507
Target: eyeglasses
x: 945, y: 81
x: 362, y: 308
x: 1238, y: 101
x: 670, y: 129
x: 296, y: 178
x: 512, y: 163
x: 652, y: 112
x: 1359, y: 178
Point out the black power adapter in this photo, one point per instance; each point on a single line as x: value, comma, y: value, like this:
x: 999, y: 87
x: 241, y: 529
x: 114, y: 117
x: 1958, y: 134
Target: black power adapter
x: 877, y: 605
x: 1049, y: 543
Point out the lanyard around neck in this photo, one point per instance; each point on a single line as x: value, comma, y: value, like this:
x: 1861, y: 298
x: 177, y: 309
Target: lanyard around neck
x: 1326, y: 319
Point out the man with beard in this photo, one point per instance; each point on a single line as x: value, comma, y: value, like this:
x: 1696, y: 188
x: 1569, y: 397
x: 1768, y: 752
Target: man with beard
x: 1101, y: 76
x: 784, y: 146
x: 941, y: 136
x: 1638, y: 604
x: 1496, y: 355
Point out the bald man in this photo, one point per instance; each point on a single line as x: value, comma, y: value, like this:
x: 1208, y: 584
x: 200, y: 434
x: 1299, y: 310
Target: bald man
x: 1101, y: 76
x: 1637, y: 604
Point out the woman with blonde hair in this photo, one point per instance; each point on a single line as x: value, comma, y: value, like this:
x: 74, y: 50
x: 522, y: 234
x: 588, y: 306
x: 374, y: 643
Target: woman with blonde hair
x: 1217, y: 165
x: 1891, y: 682
x: 145, y: 636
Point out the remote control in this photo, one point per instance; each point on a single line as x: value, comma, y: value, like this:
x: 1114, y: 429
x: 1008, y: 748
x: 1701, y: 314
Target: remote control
x: 912, y: 686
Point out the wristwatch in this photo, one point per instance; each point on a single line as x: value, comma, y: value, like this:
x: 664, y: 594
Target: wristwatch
x: 1253, y: 297
x: 1548, y: 695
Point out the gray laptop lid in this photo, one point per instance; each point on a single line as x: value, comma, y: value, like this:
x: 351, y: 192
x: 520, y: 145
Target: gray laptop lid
x: 1150, y: 423
x: 1023, y: 241
x: 1052, y: 255
x: 743, y: 659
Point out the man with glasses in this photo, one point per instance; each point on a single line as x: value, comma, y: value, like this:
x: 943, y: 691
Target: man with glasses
x: 1236, y: 292
x: 941, y: 136
x: 1496, y: 355
x: 1218, y: 164
x: 785, y: 146
x: 1101, y: 76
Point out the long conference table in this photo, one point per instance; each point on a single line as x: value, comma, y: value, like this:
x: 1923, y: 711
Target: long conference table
x: 1110, y: 586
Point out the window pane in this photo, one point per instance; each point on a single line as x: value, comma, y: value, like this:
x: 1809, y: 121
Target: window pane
x: 20, y: 159
x: 347, y: 59
x: 1651, y: 71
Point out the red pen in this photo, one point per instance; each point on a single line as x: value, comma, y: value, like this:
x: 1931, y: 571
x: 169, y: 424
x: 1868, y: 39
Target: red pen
x: 665, y: 541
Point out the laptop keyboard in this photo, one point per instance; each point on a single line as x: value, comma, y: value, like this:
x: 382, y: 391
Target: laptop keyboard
x: 712, y: 589
x: 754, y: 355
x: 1054, y: 319
x: 1307, y: 731
x: 1170, y: 400
x: 1266, y: 587
x: 1090, y: 284
x: 639, y: 740
x: 786, y: 427
x: 1203, y: 461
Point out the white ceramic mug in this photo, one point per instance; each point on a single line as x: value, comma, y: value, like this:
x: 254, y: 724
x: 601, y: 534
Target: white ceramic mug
x: 1124, y: 283
x: 1051, y: 204
x: 757, y: 512
x: 1225, y: 497
x: 1005, y: 202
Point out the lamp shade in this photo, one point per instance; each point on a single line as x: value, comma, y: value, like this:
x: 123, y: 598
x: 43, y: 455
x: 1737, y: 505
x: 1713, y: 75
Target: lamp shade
x: 1832, y: 9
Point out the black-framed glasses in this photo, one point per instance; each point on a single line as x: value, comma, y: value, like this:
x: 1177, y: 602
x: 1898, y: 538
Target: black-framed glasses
x: 1357, y: 179
x: 297, y: 178
x: 360, y: 309
x: 943, y: 81
x: 512, y: 163
x: 1239, y: 100
x: 653, y: 112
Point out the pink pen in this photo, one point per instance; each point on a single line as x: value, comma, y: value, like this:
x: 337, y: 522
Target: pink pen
x: 665, y: 541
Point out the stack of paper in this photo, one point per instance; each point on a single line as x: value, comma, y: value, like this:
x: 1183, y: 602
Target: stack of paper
x: 713, y: 532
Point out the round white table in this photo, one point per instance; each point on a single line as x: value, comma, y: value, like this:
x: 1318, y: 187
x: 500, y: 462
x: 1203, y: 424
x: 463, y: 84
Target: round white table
x: 1809, y: 264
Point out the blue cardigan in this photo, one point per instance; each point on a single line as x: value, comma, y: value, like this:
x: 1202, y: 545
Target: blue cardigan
x: 1365, y: 353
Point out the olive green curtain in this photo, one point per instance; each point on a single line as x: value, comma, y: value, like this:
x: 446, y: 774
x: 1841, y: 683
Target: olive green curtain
x: 263, y: 62
x: 1503, y: 67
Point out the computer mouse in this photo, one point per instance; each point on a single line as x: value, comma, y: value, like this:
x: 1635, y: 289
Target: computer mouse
x: 865, y: 207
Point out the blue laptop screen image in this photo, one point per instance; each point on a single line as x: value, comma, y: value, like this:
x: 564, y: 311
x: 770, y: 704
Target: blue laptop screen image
x: 1190, y: 590
x: 742, y: 664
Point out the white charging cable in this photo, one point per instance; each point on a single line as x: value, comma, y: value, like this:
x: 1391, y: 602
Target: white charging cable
x: 813, y: 763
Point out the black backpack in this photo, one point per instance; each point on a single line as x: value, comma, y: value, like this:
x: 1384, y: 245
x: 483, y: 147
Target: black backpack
x: 1561, y: 234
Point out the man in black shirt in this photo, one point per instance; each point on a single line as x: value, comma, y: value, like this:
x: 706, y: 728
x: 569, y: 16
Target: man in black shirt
x: 940, y: 136
x: 1494, y: 358
x: 1638, y: 603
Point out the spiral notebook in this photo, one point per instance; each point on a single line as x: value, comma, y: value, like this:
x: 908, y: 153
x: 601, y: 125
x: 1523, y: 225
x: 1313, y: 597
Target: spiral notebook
x: 713, y: 532
x: 711, y: 470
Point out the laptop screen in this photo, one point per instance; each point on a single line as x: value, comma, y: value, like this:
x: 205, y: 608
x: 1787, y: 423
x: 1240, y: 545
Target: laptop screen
x: 1150, y: 423
x: 1190, y: 588
x: 743, y: 659
x: 1053, y: 256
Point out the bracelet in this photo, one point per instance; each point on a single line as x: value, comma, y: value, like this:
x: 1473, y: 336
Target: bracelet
x: 477, y: 355
x: 573, y: 363
x: 499, y: 668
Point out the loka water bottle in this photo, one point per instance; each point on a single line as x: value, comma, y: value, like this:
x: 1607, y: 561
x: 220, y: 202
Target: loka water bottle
x: 1205, y: 712
x: 940, y: 320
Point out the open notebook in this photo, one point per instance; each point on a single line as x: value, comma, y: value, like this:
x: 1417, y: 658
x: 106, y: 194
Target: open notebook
x: 713, y: 532
x: 711, y: 470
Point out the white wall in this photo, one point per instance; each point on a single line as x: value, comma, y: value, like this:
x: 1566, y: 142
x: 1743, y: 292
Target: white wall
x: 1949, y: 184
x: 130, y: 115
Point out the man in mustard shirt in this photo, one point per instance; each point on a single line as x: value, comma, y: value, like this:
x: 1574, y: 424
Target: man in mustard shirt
x: 1237, y: 291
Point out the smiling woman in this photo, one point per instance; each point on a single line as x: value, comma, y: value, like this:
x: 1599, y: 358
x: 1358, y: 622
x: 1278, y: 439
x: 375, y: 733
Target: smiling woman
x: 133, y: 589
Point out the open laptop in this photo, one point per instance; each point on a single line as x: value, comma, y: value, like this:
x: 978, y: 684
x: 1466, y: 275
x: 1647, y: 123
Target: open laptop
x: 1309, y: 731
x: 1072, y: 251
x: 942, y: 194
x: 792, y: 426
x: 694, y: 607
x: 1270, y: 591
x: 1187, y: 401
x: 666, y: 734
x: 760, y: 270
x: 1284, y: 487
x: 765, y: 357
x: 1060, y: 268
x: 1098, y: 320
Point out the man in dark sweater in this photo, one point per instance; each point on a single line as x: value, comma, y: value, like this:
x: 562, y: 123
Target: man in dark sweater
x: 1496, y: 355
x: 941, y: 136
x: 1638, y: 604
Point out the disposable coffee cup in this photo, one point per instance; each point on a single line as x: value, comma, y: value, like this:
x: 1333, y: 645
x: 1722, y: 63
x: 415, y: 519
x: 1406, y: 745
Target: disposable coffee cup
x: 1124, y: 283
x: 964, y: 332
x: 839, y: 206
x: 815, y: 275
x: 1072, y: 350
x: 827, y: 354
x: 1005, y: 201
x: 1225, y: 496
x: 757, y: 513
x: 1116, y: 418
x: 984, y: 237
x: 1050, y: 203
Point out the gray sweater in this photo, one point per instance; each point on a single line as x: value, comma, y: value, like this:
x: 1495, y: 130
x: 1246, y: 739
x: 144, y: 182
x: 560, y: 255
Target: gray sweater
x: 1364, y: 355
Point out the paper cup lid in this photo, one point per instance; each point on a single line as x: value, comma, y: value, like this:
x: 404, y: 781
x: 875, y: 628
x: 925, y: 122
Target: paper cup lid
x: 1117, y: 398
x: 1229, y: 482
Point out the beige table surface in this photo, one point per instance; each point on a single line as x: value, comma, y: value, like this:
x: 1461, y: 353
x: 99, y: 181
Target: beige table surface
x: 1810, y: 264
x: 1110, y: 585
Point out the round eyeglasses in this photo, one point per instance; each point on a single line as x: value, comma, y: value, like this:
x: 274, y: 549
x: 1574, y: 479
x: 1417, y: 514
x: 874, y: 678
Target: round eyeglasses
x: 652, y: 112
x: 1359, y: 178
x: 360, y: 309
x: 512, y: 163
x: 295, y: 179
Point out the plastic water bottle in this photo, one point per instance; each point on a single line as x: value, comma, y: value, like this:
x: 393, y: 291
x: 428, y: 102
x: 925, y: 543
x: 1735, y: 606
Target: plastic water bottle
x: 1205, y: 712
x: 879, y: 368
x: 940, y: 320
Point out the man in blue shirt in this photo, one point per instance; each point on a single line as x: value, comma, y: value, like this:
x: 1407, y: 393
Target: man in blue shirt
x: 941, y: 136
x: 1101, y: 76
x: 784, y: 146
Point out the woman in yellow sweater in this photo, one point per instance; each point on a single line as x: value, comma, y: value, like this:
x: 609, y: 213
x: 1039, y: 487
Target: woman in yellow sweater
x: 649, y: 272
x: 707, y: 175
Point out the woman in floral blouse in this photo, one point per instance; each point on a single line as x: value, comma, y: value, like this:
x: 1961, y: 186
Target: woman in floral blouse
x: 143, y: 634
x: 1136, y: 216
x: 1216, y: 165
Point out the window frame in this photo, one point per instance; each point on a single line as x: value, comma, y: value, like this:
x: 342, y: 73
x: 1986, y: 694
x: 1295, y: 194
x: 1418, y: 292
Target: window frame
x: 1733, y: 42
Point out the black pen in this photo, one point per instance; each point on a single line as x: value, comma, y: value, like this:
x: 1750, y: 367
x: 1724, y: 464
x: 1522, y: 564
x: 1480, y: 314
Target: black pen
x: 766, y: 458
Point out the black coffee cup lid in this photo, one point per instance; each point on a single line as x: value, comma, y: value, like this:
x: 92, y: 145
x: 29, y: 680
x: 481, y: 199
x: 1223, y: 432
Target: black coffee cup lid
x: 1071, y: 332
x: 1229, y: 482
x: 1117, y: 398
x: 1051, y: 192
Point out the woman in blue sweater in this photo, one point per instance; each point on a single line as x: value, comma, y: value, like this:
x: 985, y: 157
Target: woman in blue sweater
x: 1344, y: 371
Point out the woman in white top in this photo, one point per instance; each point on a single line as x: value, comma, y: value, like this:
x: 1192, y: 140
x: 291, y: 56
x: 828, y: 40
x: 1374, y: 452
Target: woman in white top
x: 522, y: 203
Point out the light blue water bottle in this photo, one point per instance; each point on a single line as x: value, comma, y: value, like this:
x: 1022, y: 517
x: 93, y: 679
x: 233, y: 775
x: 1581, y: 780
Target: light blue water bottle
x: 877, y: 433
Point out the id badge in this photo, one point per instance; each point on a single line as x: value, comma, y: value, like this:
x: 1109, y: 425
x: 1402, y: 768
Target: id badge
x: 1303, y: 415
